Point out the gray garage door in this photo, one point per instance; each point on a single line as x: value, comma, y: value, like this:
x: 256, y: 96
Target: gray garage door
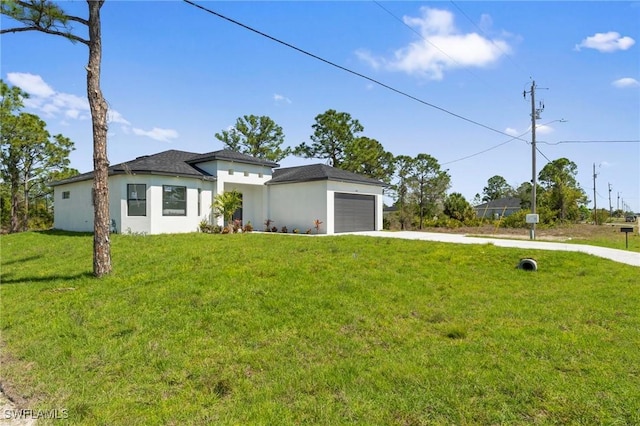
x: 354, y: 212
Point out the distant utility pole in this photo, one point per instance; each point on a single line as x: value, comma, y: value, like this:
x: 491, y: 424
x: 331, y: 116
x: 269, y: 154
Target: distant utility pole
x: 610, y: 208
x: 618, y: 204
x: 535, y: 115
x: 595, y: 210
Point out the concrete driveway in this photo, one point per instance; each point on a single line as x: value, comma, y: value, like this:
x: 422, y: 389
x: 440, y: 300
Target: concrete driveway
x: 621, y: 256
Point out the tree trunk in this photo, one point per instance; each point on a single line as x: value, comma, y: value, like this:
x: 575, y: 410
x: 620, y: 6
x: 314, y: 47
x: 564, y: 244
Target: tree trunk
x: 25, y: 220
x: 101, y: 218
x: 15, y: 209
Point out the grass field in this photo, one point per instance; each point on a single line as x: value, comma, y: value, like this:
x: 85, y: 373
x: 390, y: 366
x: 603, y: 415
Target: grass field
x: 275, y: 329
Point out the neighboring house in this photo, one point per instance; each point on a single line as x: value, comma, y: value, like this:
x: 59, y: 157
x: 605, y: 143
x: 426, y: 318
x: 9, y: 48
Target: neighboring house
x: 495, y: 209
x: 172, y: 192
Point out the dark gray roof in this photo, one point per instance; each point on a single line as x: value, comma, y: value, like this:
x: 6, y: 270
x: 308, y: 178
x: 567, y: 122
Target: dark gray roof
x: 315, y: 172
x: 173, y: 163
x: 501, y: 203
x: 228, y: 155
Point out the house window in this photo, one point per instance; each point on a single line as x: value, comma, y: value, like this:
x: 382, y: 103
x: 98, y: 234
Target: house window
x: 174, y: 200
x: 137, y: 199
x: 66, y: 195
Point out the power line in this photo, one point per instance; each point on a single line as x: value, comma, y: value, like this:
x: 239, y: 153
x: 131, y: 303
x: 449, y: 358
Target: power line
x: 486, y: 150
x: 615, y: 141
x: 499, y: 145
x: 542, y: 153
x: 326, y: 61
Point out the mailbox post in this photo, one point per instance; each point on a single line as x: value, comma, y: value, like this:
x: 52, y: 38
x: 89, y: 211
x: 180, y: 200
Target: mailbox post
x: 626, y: 231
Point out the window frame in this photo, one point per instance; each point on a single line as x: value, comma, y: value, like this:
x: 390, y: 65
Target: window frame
x: 199, y: 202
x: 172, y: 188
x: 137, y: 199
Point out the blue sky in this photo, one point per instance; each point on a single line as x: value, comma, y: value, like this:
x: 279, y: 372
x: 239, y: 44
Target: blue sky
x: 174, y: 76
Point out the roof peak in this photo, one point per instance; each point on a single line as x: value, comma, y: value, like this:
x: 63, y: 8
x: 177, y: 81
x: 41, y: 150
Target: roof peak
x: 318, y: 171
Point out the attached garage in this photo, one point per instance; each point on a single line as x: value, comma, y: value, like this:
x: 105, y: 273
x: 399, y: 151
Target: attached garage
x: 354, y: 212
x: 341, y: 200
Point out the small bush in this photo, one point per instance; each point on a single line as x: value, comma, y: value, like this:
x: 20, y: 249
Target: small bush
x: 274, y: 229
x: 205, y: 227
x: 248, y: 227
x: 284, y: 230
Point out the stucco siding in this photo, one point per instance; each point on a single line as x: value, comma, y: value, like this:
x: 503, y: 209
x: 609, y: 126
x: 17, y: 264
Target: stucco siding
x: 297, y: 205
x: 161, y: 224
x: 74, y: 213
x: 228, y: 171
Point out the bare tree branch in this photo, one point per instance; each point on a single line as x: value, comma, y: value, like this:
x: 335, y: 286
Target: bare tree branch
x: 43, y: 17
x: 78, y: 19
x: 70, y: 36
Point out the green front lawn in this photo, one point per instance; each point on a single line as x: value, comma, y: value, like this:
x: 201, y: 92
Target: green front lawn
x: 277, y: 329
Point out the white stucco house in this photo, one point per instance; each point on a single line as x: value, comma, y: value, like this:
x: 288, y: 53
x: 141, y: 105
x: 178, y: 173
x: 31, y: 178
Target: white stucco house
x: 172, y: 192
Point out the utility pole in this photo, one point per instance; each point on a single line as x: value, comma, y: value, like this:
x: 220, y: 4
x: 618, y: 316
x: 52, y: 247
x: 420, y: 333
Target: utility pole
x: 610, y: 208
x: 595, y: 210
x: 535, y: 115
x: 618, y: 204
x: 534, y: 179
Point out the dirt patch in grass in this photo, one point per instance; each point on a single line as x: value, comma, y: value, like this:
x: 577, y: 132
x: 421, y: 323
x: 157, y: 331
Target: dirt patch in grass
x: 11, y: 401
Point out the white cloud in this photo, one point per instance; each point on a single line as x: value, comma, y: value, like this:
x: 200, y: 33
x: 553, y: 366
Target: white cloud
x: 366, y: 56
x: 72, y: 113
x: 543, y: 129
x: 162, y: 135
x: 45, y: 100
x: 512, y: 131
x: 281, y: 99
x: 606, y: 42
x: 66, y: 106
x: 30, y: 83
x: 442, y: 47
x: 626, y: 82
x: 66, y: 100
x: 114, y: 116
